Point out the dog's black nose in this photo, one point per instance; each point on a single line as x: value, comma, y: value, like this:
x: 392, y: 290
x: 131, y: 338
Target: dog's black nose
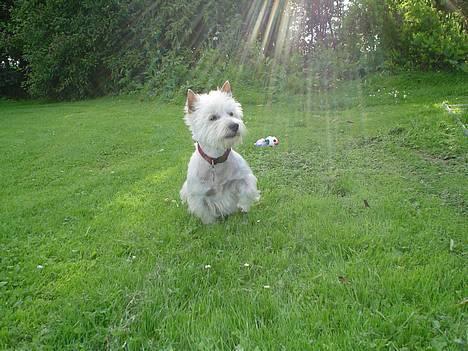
x: 234, y: 127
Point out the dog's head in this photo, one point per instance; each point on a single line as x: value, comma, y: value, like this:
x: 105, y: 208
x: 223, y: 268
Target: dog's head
x: 215, y: 119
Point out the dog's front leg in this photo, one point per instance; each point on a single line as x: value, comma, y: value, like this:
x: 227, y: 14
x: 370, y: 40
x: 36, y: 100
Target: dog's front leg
x: 198, y: 205
x: 248, y: 192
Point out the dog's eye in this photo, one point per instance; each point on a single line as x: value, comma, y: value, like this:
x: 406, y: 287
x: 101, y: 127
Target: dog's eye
x: 213, y: 117
x: 231, y: 114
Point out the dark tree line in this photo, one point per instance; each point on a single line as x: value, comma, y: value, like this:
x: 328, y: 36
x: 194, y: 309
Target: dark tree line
x: 72, y: 49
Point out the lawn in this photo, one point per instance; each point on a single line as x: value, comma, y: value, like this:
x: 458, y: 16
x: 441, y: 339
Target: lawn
x: 358, y: 243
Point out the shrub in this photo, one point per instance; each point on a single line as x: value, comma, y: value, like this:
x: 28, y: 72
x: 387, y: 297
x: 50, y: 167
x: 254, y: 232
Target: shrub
x: 429, y: 38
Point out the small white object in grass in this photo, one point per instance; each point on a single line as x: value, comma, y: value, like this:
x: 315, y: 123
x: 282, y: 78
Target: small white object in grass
x: 452, y: 245
x: 161, y: 150
x: 268, y: 141
x: 39, y: 266
x: 207, y: 266
x: 258, y: 220
x: 246, y: 265
x: 266, y: 287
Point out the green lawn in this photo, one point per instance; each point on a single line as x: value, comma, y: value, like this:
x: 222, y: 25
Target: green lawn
x: 96, y: 251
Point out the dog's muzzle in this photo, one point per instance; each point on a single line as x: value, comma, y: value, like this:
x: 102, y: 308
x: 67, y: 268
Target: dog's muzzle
x: 234, y: 129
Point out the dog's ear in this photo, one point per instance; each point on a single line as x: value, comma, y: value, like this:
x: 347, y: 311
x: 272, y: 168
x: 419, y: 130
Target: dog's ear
x: 226, y: 88
x: 191, y: 99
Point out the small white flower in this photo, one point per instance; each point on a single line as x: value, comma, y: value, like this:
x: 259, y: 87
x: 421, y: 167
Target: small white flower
x: 266, y: 287
x: 246, y: 265
x: 207, y: 266
x: 39, y: 266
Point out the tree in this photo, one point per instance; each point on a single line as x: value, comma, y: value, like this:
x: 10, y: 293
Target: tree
x: 12, y: 64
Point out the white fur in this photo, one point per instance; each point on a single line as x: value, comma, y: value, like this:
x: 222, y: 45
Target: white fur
x: 214, y: 192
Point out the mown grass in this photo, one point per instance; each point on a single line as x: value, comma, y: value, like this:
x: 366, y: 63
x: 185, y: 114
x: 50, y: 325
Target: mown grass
x: 98, y: 253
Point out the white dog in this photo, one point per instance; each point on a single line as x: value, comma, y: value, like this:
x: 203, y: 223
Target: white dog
x: 219, y: 181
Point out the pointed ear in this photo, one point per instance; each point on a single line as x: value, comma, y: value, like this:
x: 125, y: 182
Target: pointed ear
x: 191, y: 99
x: 226, y: 88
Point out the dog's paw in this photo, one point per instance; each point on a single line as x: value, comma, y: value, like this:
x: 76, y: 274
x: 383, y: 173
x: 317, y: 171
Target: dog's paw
x: 244, y: 208
x: 208, y: 219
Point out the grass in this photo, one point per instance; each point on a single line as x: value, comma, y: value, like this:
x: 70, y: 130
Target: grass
x: 96, y: 251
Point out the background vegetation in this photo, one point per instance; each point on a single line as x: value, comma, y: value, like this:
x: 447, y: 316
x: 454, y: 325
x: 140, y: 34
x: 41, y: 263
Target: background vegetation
x: 75, y: 49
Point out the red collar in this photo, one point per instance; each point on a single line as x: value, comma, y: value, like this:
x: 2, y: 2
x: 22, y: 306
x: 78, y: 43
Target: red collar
x: 212, y: 161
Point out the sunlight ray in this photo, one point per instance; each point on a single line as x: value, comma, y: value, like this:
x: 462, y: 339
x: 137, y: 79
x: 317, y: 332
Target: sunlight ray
x: 273, y: 17
x: 256, y: 28
x: 282, y: 44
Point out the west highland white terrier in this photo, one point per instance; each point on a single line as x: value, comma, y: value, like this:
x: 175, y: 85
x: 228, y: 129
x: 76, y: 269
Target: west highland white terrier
x: 219, y: 181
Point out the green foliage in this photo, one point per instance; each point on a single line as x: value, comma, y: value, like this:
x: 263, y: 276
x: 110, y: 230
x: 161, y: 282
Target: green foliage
x: 77, y: 49
x: 430, y: 38
x: 12, y: 65
x: 167, y: 74
x: 11, y: 78
x: 408, y: 34
x: 368, y: 33
x: 65, y: 45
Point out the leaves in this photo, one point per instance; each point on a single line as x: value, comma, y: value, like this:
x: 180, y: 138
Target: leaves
x: 74, y: 50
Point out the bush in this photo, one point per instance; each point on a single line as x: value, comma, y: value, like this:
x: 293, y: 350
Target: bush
x: 12, y: 66
x: 65, y: 44
x: 77, y: 49
x: 430, y: 38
